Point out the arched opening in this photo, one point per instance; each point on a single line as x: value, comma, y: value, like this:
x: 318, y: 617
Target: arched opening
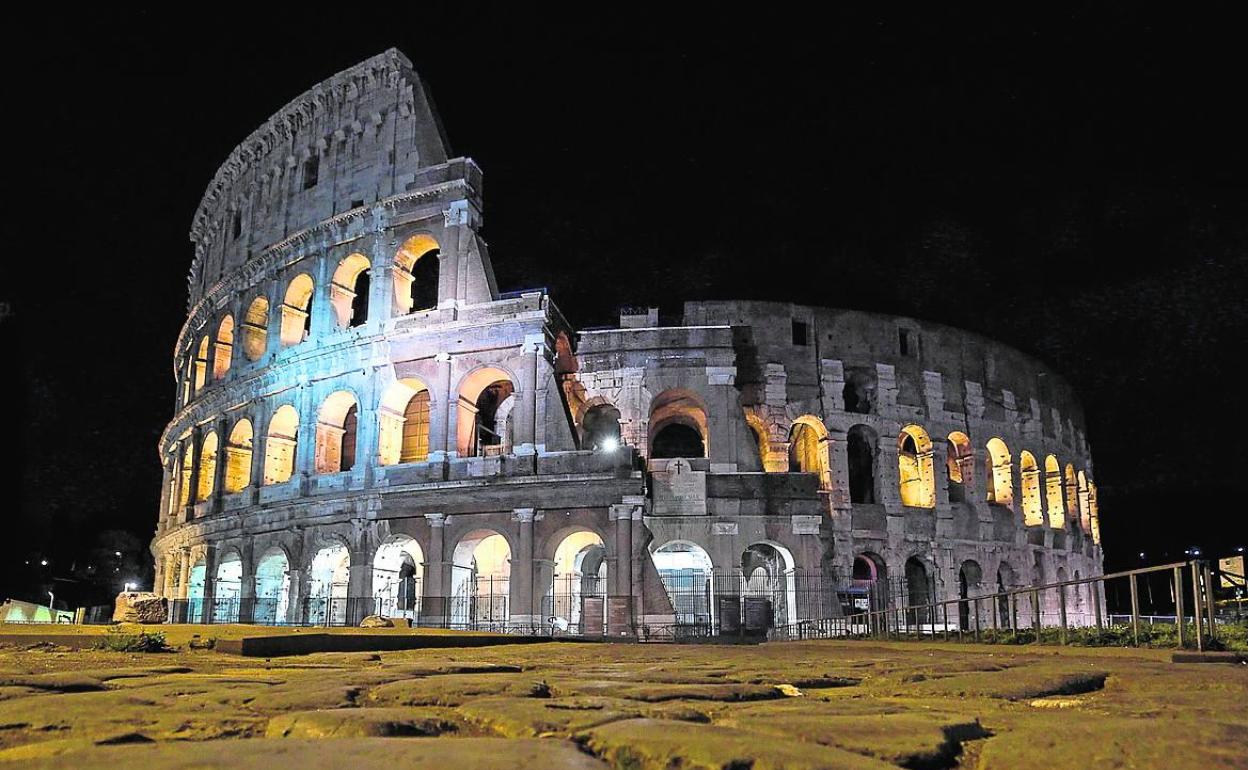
x: 201, y: 365
x: 861, y: 445
x: 808, y: 449
x: 195, y: 591
x: 916, y: 477
x: 600, y: 428
x: 297, y: 310
x: 272, y: 602
x: 481, y: 581
x: 576, y: 599
x: 1006, y: 581
x: 958, y: 466
x: 279, y: 445
x: 859, y: 391
x: 761, y: 437
x: 184, y: 477
x: 484, y: 410
x: 1000, y: 474
x: 1072, y: 495
x: 868, y: 584
x: 688, y: 577
x: 238, y: 457
x: 919, y: 590
x: 1053, y: 492
x: 970, y: 577
x: 403, y: 419
x: 336, y: 428
x: 348, y: 291
x: 678, y: 426
x: 1094, y: 513
x: 227, y: 589
x: 224, y: 348
x: 207, y: 466
x: 327, y: 593
x: 397, y: 571
x: 769, y: 572
x: 1032, y: 514
x: 1085, y: 517
x: 416, y: 275
x: 256, y: 328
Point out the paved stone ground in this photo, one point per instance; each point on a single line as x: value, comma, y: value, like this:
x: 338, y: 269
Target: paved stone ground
x: 566, y: 705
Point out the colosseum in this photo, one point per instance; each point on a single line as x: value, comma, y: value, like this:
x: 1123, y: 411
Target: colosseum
x: 366, y: 424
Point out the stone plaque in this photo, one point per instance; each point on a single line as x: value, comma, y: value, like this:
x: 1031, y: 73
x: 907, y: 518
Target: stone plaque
x: 725, y: 527
x: 680, y: 490
x: 806, y: 525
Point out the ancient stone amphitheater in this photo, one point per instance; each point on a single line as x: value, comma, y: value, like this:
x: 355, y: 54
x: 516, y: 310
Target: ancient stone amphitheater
x: 366, y: 424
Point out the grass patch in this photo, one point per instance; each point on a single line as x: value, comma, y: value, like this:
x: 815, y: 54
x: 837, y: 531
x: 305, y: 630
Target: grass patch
x: 118, y: 639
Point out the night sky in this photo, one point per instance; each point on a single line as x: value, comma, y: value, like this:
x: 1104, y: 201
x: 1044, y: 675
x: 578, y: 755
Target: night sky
x: 1073, y: 186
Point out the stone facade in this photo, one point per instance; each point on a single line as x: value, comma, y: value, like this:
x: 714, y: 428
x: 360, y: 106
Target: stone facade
x: 365, y: 425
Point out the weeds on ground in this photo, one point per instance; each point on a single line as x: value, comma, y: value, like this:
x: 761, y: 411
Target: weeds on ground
x: 119, y: 640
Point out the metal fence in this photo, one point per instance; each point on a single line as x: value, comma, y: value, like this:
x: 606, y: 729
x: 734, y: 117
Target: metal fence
x: 1032, y: 610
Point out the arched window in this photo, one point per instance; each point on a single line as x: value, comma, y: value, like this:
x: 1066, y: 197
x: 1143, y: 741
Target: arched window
x: 678, y: 426
x: 1094, y: 513
x: 349, y: 291
x: 207, y: 466
x: 916, y: 477
x: 770, y: 463
x: 1053, y: 492
x: 184, y: 481
x: 272, y: 587
x: 918, y: 589
x: 403, y: 421
x: 808, y: 449
x: 1084, y: 514
x: 959, y: 465
x: 969, y: 578
x: 280, y: 444
x: 484, y: 410
x: 1072, y: 495
x: 1032, y: 514
x: 336, y: 426
x: 416, y: 275
x: 859, y: 391
x: 224, y: 348
x: 201, y: 365
x: 861, y: 445
x: 238, y: 457
x: 600, y: 428
x: 256, y: 328
x: 297, y: 310
x: 1000, y: 474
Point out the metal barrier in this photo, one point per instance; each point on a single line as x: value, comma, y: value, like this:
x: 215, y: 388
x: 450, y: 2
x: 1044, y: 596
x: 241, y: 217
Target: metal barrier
x: 1023, y: 611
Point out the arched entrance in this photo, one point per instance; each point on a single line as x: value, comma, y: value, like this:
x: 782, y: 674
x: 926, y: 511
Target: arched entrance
x: 481, y: 581
x: 1006, y: 580
x: 327, y: 592
x: 576, y: 598
x: 397, y: 578
x: 272, y: 603
x: 688, y: 576
x: 919, y: 591
x: 969, y: 578
x: 195, y: 592
x: 227, y: 589
x: 769, y: 572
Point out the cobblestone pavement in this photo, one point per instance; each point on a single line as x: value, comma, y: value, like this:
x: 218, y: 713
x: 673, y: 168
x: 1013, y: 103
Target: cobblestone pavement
x: 569, y: 705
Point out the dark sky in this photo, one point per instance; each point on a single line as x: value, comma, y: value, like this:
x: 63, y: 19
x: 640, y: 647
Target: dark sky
x: 1072, y: 185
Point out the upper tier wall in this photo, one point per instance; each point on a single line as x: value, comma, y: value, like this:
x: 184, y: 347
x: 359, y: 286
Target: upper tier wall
x: 347, y: 142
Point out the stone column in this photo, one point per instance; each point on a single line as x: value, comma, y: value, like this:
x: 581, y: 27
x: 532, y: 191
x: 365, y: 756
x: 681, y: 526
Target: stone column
x: 637, y: 548
x: 442, y: 406
x: 359, y: 586
x: 435, y: 609
x: 210, y: 582
x: 620, y: 571
x: 523, y: 602
x: 192, y: 481
x: 218, y: 472
x: 305, y: 449
x: 887, y: 490
x: 184, y: 571
x: 838, y: 467
x: 247, y: 582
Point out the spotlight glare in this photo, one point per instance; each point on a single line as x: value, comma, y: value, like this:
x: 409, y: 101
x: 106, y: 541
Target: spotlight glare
x: 610, y: 444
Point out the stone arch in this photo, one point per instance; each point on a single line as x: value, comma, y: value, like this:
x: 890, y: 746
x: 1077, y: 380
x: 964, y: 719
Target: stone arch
x: 762, y: 438
x: 1053, y: 492
x: 600, y: 427
x: 769, y: 570
x: 688, y: 576
x: 575, y: 596
x: 1007, y: 580
x: 207, y: 466
x: 959, y: 466
x: 482, y: 392
x: 238, y: 456
x: 223, y: 349
x: 808, y: 449
x: 329, y: 575
x: 678, y: 425
x: 481, y: 580
x: 1033, y: 515
x: 272, y: 587
x: 416, y: 274
x: 255, y: 328
x: 196, y: 585
x: 403, y: 423
x: 1072, y: 495
x: 349, y: 290
x: 858, y: 395
x: 970, y: 585
x: 296, y: 310
x: 398, y: 568
x: 201, y: 364
x: 862, y: 446
x: 916, y: 476
x: 337, y: 424
x: 185, y: 468
x: 1000, y: 473
x: 919, y: 588
x: 280, y: 443
x: 1085, y: 517
x: 227, y: 586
